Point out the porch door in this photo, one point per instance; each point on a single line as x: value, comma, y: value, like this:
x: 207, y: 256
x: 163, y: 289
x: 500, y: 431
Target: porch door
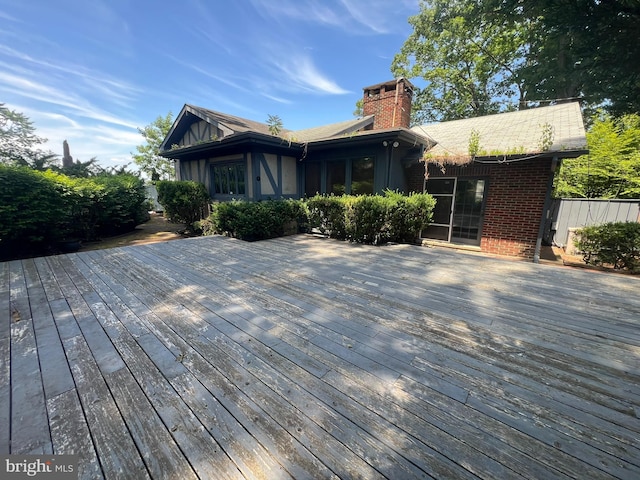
x: 459, y: 210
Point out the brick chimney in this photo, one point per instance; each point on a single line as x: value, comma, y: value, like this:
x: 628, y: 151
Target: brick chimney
x: 390, y: 102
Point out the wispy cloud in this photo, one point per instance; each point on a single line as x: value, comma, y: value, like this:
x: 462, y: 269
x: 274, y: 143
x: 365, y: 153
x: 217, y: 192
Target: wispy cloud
x: 299, y: 73
x: 355, y: 16
x: 30, y: 89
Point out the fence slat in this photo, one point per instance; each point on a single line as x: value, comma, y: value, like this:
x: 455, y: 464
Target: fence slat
x: 566, y: 213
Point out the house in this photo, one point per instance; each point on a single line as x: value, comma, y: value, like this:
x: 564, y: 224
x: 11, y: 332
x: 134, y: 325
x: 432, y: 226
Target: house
x: 491, y: 175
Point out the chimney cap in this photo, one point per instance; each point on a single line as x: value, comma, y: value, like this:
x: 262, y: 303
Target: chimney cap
x: 406, y: 82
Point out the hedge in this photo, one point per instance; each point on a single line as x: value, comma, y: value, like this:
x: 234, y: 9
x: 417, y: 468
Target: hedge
x: 616, y: 244
x: 372, y: 219
x: 38, y: 209
x: 183, y: 201
x: 253, y: 221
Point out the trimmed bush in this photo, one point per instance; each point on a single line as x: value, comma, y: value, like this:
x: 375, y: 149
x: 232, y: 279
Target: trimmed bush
x: 30, y: 207
x: 616, y: 244
x: 253, y: 221
x: 372, y: 219
x: 183, y: 201
x: 38, y: 209
x: 328, y: 214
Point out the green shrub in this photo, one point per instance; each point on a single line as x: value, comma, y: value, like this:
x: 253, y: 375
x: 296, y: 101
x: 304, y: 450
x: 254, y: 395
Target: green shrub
x: 373, y: 219
x: 38, y: 209
x: 256, y: 220
x: 366, y: 218
x: 30, y: 207
x: 408, y: 215
x: 183, y: 201
x: 123, y: 203
x: 328, y: 214
x: 616, y: 244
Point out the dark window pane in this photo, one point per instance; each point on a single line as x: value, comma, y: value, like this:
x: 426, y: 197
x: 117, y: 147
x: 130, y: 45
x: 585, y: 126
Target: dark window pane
x: 312, y: 179
x: 229, y: 179
x: 437, y: 233
x: 240, y: 179
x: 440, y: 185
x: 336, y: 177
x: 442, y: 210
x: 362, y: 176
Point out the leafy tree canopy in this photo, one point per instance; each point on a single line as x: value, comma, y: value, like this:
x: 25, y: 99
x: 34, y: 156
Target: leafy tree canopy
x: 482, y: 57
x: 18, y: 140
x: 612, y: 168
x: 148, y: 158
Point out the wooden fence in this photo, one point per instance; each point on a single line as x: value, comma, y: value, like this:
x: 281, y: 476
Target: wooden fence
x: 566, y: 213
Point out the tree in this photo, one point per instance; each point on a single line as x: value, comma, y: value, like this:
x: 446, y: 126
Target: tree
x: 18, y: 140
x: 148, y: 158
x: 275, y: 125
x: 483, y: 57
x: 468, y: 63
x: 612, y: 168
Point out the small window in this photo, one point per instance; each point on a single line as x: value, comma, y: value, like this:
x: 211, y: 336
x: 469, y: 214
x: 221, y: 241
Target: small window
x: 336, y: 177
x: 312, y: 180
x: 362, y: 176
x: 229, y: 179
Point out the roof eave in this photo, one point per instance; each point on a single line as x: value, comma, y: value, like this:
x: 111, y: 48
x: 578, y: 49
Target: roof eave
x: 404, y: 135
x: 244, y: 139
x: 466, y: 159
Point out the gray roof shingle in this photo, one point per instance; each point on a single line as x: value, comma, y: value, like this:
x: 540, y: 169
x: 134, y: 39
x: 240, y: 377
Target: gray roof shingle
x: 519, y: 132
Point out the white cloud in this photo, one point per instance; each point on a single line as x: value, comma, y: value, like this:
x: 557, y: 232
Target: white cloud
x: 376, y: 16
x: 299, y: 73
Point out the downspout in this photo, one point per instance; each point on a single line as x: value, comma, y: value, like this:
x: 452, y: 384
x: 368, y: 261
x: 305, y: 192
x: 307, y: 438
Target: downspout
x: 545, y: 211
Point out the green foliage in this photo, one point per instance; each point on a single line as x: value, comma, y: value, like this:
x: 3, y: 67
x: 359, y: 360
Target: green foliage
x: 253, y: 221
x: 37, y: 209
x: 183, y: 201
x: 466, y: 61
x: 30, y: 207
x: 275, y: 125
x: 148, y: 158
x: 327, y: 213
x: 408, y: 215
x: 616, y: 244
x: 474, y: 143
x: 476, y: 57
x: 371, y: 219
x: 612, y: 168
x: 18, y: 140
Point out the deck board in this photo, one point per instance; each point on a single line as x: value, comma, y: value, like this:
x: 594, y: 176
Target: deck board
x: 304, y: 357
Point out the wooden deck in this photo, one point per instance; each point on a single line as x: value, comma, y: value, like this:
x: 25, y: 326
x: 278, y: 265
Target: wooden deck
x: 304, y: 358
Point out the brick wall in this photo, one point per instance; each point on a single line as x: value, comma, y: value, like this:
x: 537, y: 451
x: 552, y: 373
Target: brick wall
x: 390, y: 102
x: 514, y: 203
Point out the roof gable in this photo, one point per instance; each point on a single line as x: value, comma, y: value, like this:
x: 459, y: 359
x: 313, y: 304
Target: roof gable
x: 556, y: 128
x: 223, y: 126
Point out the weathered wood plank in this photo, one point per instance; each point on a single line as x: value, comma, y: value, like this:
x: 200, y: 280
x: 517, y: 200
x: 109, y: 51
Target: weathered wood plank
x: 5, y: 359
x: 314, y: 358
x: 30, y: 427
x: 116, y: 450
x: 70, y: 434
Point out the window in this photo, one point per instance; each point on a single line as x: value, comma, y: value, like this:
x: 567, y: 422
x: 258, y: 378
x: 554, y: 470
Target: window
x: 336, y: 173
x: 312, y: 179
x: 362, y: 176
x: 353, y: 176
x: 228, y: 179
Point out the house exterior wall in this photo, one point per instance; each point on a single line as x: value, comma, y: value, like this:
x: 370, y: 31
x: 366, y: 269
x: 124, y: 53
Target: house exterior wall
x: 514, y: 204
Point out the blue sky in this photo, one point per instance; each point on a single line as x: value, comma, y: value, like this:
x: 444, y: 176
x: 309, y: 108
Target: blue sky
x: 91, y: 71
